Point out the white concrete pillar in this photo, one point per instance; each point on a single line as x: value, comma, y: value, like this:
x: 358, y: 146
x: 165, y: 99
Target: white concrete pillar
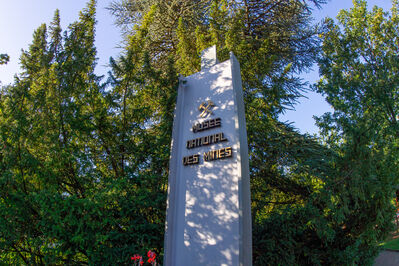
x: 209, y: 210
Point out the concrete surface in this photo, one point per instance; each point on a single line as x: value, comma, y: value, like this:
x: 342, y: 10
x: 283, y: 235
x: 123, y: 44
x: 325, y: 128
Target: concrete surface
x: 387, y: 258
x: 208, y: 213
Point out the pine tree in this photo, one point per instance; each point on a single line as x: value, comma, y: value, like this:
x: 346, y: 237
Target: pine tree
x: 273, y: 41
x: 84, y: 163
x: 46, y: 171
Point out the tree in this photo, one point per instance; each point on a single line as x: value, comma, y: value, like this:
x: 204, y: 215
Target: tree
x: 45, y: 171
x: 273, y: 40
x: 358, y: 66
x: 84, y: 163
x: 4, y: 58
x: 82, y: 166
x: 278, y: 33
x: 314, y: 202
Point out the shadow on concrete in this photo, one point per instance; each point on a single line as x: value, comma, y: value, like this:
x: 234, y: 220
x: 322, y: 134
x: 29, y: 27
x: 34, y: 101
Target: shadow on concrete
x: 211, y: 218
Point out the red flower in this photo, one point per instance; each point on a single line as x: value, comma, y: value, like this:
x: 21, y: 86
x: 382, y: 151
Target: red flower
x: 135, y: 257
x: 141, y: 262
x: 151, y: 256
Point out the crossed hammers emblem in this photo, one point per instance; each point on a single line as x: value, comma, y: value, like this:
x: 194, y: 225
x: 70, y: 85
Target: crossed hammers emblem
x: 205, y: 108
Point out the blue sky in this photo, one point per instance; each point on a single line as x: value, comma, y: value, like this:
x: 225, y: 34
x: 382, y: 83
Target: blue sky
x: 19, y: 18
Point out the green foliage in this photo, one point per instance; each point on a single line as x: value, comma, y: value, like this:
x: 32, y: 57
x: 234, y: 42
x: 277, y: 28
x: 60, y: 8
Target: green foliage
x: 84, y: 163
x: 273, y: 41
x: 4, y: 58
x: 358, y: 66
x: 188, y: 61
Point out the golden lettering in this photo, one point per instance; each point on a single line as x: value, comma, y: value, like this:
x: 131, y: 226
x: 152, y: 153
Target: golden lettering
x: 208, y: 124
x: 218, y: 122
x: 206, y: 140
x: 195, y: 159
x: 192, y: 159
x: 222, y: 138
x: 211, y: 123
x: 218, y: 154
x: 217, y: 137
x: 229, y: 152
x: 205, y: 125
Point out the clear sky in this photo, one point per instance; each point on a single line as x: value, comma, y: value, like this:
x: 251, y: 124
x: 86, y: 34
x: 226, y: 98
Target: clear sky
x: 19, y: 18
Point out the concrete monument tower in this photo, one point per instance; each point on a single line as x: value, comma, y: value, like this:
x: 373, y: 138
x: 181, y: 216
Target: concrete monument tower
x: 209, y: 205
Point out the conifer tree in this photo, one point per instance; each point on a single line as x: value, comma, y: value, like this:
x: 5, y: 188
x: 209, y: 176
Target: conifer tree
x: 273, y: 40
x: 47, y: 176
x: 84, y: 163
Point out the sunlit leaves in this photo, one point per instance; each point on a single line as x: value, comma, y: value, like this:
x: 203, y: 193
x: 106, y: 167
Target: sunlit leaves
x: 358, y: 67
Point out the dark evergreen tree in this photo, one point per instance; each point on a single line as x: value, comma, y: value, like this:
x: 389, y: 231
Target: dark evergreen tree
x: 84, y: 164
x: 274, y: 41
x: 299, y: 216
